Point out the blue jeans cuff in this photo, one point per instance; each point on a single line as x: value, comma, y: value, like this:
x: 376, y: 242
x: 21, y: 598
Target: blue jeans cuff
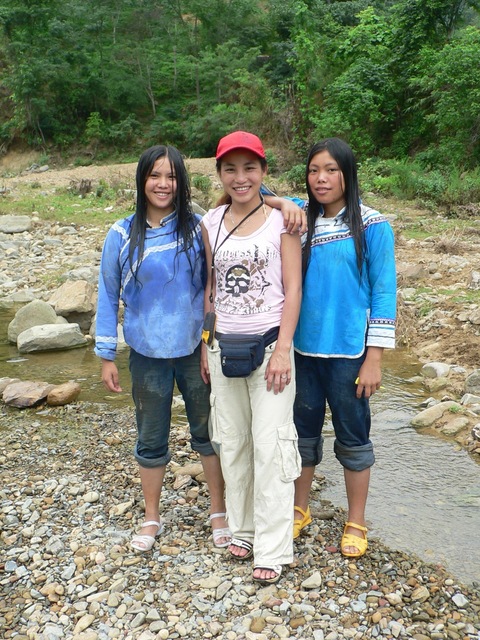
x: 354, y: 458
x: 311, y: 451
x: 151, y: 463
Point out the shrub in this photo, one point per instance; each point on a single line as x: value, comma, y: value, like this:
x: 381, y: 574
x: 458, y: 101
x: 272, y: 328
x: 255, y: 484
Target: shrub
x: 201, y: 182
x: 271, y: 161
x: 296, y: 176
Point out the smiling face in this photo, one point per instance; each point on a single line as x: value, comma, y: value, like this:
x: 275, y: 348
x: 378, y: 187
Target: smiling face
x: 326, y: 182
x: 160, y: 189
x: 242, y: 173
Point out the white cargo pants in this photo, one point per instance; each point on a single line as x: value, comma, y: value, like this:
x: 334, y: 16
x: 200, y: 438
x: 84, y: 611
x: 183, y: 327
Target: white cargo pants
x: 257, y: 439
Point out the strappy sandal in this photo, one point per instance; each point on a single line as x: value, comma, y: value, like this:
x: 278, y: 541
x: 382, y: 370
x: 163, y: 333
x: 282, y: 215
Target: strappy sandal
x: 218, y: 534
x: 243, y: 544
x: 145, y: 542
x: 298, y: 525
x: 276, y: 568
x: 351, y: 540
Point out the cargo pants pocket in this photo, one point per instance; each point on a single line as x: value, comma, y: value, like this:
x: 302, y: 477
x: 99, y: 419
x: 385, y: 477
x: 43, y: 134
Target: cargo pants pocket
x: 289, y: 459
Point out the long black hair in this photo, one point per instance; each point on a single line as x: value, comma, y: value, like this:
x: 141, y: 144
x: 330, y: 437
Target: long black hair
x: 182, y: 203
x: 342, y: 153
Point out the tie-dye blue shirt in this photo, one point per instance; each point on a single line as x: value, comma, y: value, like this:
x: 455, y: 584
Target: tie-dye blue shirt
x: 163, y: 308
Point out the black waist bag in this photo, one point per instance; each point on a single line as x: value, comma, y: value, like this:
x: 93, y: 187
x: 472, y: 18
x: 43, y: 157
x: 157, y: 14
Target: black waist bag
x: 242, y: 353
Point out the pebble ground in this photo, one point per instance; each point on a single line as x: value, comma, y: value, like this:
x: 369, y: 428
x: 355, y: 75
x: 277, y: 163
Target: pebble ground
x: 70, y: 499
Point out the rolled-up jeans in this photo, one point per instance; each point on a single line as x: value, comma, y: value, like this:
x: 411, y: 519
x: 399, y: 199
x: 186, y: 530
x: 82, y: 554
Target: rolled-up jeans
x: 332, y: 380
x: 153, y: 382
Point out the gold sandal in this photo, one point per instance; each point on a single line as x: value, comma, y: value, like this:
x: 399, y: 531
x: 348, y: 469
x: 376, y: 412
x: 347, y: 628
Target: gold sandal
x: 298, y: 525
x: 351, y: 540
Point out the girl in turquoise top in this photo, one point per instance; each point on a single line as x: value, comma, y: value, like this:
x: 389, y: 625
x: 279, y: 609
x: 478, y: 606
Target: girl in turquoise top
x: 347, y: 318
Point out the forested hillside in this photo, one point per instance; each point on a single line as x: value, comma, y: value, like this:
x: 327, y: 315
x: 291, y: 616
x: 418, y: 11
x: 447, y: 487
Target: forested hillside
x: 397, y: 78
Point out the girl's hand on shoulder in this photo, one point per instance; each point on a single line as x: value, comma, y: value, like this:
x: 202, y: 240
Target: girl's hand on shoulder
x: 294, y: 217
x: 204, y: 370
x: 279, y: 370
x: 110, y: 376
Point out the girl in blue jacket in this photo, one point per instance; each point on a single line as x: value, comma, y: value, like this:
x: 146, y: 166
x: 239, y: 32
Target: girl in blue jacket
x: 153, y: 261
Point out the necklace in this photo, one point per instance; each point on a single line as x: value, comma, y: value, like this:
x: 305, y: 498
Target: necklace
x: 155, y: 225
x: 244, y: 222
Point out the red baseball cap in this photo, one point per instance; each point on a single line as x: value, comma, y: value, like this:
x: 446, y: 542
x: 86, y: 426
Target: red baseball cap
x: 240, y: 140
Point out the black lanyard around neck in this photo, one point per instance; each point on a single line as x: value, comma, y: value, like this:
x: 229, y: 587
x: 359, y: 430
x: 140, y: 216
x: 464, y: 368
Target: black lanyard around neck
x: 215, y: 248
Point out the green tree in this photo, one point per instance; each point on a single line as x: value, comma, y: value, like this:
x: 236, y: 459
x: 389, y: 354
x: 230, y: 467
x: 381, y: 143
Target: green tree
x: 452, y: 98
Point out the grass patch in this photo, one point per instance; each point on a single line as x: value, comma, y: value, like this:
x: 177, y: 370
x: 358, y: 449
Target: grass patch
x: 67, y: 205
x: 449, y: 230
x: 466, y: 297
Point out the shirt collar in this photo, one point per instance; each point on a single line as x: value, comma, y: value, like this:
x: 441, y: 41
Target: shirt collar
x: 165, y: 221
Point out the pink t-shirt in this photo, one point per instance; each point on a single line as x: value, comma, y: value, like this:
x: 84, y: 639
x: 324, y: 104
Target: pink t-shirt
x: 249, y: 288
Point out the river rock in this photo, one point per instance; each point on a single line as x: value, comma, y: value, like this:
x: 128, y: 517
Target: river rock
x: 429, y: 416
x: 64, y: 394
x: 473, y: 281
x: 258, y: 624
x: 455, y: 425
x: 414, y: 272
x: 470, y: 398
x: 435, y: 370
x: 434, y: 385
x: 313, y: 582
x: 51, y: 337
x: 16, y: 298
x: 476, y: 432
x: 74, y: 296
x: 33, y: 314
x: 26, y: 394
x: 15, y: 224
x: 193, y: 469
x: 474, y: 316
x: 88, y: 274
x: 472, y: 383
x: 4, y: 382
x: 84, y: 320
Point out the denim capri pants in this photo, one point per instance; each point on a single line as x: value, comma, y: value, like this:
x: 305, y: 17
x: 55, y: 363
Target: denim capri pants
x: 153, y: 383
x: 332, y: 380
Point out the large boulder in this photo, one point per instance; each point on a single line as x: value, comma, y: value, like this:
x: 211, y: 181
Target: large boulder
x: 33, y: 314
x: 429, y: 416
x: 26, y: 394
x: 74, y: 296
x: 15, y: 224
x: 51, y: 337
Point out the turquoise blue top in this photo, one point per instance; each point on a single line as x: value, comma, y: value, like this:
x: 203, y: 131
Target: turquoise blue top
x: 341, y: 314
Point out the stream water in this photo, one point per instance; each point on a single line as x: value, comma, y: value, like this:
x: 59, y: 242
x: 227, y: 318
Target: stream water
x: 425, y: 491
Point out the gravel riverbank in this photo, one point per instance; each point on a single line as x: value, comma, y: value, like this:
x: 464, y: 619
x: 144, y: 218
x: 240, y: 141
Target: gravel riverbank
x: 70, y: 498
x: 70, y: 495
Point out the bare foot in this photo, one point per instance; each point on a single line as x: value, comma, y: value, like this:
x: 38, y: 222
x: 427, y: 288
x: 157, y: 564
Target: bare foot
x: 238, y: 552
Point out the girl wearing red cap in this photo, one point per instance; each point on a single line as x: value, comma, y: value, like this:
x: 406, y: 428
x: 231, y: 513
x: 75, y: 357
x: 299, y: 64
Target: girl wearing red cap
x: 254, y: 289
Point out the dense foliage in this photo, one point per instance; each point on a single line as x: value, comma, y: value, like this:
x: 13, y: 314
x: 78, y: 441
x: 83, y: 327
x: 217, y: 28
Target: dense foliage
x: 396, y: 78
